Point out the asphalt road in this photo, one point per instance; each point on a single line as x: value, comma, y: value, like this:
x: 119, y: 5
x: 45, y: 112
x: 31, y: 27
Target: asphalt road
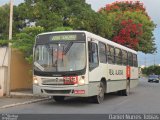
x: 145, y: 98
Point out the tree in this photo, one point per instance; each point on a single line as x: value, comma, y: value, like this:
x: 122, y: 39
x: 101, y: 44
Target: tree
x: 51, y: 14
x: 129, y: 34
x: 4, y: 21
x: 131, y: 25
x: 63, y: 29
x: 151, y: 70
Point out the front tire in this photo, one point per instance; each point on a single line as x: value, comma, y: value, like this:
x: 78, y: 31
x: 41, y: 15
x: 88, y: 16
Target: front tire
x: 100, y: 97
x: 58, y: 98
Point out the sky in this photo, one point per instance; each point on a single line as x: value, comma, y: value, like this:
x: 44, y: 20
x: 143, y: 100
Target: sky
x: 152, y: 7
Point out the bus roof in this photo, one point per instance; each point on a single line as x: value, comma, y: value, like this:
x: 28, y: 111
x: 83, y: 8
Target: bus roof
x: 96, y: 37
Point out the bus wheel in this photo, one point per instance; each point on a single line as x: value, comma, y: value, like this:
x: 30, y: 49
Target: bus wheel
x: 100, y: 97
x: 58, y: 98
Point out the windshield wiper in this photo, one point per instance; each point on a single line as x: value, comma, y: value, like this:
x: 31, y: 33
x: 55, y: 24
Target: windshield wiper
x: 39, y: 66
x: 68, y: 47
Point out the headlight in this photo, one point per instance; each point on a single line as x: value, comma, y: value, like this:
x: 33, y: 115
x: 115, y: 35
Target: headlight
x: 35, y: 80
x: 81, y: 80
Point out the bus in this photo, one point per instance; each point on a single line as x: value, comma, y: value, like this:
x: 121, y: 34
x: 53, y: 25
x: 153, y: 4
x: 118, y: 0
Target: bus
x: 82, y: 64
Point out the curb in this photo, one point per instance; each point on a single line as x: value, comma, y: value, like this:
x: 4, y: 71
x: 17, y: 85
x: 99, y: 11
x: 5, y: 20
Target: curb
x: 23, y: 103
x: 26, y: 96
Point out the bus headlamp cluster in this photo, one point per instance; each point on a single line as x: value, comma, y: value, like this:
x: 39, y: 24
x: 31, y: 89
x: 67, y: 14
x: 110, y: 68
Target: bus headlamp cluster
x: 35, y: 80
x: 81, y: 80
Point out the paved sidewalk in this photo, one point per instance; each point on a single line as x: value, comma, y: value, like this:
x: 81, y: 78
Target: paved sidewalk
x: 6, y: 102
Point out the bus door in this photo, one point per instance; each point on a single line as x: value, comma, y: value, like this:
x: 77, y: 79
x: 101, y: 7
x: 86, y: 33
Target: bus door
x: 93, y: 61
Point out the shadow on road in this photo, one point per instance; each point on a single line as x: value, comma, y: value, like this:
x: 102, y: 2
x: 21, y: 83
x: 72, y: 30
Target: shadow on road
x: 82, y: 101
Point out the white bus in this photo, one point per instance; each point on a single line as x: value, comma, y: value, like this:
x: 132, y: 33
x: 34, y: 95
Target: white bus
x: 82, y: 64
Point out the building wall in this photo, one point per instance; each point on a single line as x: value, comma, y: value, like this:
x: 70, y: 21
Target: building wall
x: 3, y: 79
x: 3, y: 70
x: 21, y: 75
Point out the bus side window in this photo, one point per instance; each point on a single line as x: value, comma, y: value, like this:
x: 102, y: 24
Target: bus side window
x: 118, y: 55
x: 124, y: 57
x: 111, y: 54
x: 135, y: 63
x: 93, y: 55
x: 130, y: 59
x: 102, y: 52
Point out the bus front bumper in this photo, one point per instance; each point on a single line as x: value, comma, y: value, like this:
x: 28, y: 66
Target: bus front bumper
x: 79, y: 91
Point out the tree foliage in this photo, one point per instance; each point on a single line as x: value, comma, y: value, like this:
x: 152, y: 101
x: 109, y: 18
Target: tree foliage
x: 129, y: 34
x: 63, y: 29
x: 51, y: 14
x: 4, y: 20
x: 131, y: 25
x: 24, y: 41
x: 151, y: 70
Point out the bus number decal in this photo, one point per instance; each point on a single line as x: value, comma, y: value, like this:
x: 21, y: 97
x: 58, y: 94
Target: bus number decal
x: 70, y: 80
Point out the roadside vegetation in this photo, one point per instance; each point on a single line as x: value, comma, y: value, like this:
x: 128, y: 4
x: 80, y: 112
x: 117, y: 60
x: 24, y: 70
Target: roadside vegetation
x: 151, y: 70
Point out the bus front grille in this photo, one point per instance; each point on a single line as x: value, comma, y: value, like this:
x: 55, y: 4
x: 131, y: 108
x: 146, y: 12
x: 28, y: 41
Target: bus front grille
x: 58, y: 91
x: 52, y: 82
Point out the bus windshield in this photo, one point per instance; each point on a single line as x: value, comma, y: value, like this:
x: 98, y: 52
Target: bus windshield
x: 60, y: 57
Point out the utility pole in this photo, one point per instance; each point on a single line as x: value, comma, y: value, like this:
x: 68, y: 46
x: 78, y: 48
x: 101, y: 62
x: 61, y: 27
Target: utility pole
x: 11, y: 20
x: 9, y: 48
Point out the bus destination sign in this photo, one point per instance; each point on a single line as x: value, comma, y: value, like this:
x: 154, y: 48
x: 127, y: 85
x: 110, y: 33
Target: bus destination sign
x: 63, y: 37
x: 49, y: 38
